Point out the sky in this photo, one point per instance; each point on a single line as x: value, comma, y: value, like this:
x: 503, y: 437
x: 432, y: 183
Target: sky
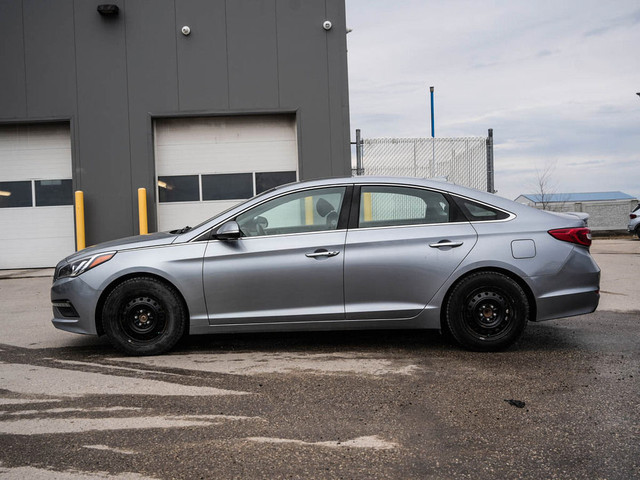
x: 556, y: 80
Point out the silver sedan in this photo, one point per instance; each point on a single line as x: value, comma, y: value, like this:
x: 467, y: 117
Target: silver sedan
x: 352, y: 253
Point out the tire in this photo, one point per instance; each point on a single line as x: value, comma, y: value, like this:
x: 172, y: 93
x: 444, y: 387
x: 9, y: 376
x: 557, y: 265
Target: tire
x: 638, y: 232
x: 487, y: 311
x: 143, y: 316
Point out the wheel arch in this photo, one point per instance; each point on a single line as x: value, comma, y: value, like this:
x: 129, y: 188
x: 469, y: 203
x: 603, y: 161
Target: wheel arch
x: 105, y: 293
x: 533, y: 311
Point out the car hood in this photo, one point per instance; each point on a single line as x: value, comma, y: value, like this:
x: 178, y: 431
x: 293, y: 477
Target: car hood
x: 128, y: 243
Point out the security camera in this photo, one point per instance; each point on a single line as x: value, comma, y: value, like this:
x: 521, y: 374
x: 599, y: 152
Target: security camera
x: 186, y: 30
x: 327, y: 25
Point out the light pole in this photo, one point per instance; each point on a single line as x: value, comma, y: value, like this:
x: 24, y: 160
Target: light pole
x: 433, y: 134
x: 433, y: 127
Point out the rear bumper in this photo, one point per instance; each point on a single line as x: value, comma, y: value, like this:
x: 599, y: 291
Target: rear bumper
x: 573, y: 290
x: 565, y: 304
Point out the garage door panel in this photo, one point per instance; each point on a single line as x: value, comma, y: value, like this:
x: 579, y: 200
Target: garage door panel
x: 208, y: 130
x: 36, y: 237
x: 226, y: 158
x: 36, y: 158
x: 191, y: 151
x: 20, y: 165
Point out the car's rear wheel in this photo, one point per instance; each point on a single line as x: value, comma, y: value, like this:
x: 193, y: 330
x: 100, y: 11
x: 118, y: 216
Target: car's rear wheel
x: 487, y: 311
x: 638, y: 231
x: 143, y: 316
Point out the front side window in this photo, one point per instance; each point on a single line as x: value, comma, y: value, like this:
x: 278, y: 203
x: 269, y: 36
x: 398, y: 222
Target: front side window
x: 309, y: 211
x: 384, y: 206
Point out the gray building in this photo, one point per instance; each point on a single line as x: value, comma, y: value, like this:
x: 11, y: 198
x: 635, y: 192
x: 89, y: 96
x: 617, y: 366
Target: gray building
x: 201, y: 102
x: 607, y: 210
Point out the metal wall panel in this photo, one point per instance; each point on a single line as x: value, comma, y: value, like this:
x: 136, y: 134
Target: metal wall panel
x: 302, y: 67
x: 152, y: 80
x: 13, y: 97
x: 202, y: 55
x: 103, y: 115
x: 252, y: 54
x: 50, y: 58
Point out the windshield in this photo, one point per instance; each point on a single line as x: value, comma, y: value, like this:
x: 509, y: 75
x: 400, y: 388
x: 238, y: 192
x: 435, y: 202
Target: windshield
x: 228, y: 210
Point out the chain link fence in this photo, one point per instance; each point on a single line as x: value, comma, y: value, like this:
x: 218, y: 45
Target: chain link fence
x: 465, y: 161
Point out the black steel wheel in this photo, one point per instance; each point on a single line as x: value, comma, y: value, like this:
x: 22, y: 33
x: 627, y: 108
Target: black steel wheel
x: 143, y: 316
x: 487, y: 311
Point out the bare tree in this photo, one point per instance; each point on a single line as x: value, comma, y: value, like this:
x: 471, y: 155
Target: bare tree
x: 545, y: 186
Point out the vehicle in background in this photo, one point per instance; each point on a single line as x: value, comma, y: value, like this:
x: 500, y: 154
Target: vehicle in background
x: 634, y: 221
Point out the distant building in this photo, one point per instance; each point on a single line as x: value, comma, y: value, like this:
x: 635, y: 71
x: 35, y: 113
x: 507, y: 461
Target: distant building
x: 607, y: 210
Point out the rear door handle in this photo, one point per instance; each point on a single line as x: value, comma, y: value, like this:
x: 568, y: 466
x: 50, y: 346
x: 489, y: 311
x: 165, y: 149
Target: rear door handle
x: 445, y: 243
x: 322, y: 253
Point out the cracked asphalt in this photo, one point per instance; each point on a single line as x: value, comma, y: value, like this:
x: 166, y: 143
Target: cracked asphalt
x: 346, y: 405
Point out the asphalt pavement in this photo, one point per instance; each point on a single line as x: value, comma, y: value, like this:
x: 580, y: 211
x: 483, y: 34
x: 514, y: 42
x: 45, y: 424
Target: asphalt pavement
x: 563, y: 403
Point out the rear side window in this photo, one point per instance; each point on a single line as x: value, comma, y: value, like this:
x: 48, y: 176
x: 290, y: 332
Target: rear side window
x: 384, y: 206
x: 477, y: 212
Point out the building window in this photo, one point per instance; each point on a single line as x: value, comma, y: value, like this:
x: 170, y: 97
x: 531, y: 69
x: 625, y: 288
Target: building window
x: 267, y: 180
x: 223, y: 186
x: 15, y: 194
x: 229, y: 186
x: 51, y: 193
x: 179, y: 188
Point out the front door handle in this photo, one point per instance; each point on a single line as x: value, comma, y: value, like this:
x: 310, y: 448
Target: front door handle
x: 322, y: 253
x: 445, y: 243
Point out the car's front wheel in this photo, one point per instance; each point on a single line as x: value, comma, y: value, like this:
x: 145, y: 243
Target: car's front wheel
x: 143, y: 316
x: 487, y: 311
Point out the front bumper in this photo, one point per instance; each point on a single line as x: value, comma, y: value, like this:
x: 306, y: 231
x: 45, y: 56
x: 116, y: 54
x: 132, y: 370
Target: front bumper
x: 74, y: 306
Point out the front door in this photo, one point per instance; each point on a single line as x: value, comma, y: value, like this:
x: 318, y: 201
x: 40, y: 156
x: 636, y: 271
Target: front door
x: 287, y: 266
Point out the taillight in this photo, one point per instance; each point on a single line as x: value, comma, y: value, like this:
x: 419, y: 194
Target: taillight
x: 581, y: 236
x: 632, y: 216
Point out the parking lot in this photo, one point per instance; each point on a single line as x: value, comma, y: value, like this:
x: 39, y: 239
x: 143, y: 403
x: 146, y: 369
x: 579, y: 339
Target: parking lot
x: 351, y: 405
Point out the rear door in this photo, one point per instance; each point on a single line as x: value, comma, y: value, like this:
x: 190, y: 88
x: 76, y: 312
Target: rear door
x: 402, y: 245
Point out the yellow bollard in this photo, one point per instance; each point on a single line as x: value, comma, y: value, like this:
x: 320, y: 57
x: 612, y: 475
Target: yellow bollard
x: 142, y: 211
x: 80, y: 239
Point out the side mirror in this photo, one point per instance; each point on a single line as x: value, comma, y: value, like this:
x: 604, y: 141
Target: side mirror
x: 228, y: 231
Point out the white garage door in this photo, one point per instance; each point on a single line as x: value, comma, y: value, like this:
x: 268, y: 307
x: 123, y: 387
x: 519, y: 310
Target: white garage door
x: 36, y: 197
x: 206, y: 165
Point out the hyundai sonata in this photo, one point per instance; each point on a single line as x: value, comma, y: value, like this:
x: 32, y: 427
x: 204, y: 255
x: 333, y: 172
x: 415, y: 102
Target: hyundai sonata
x: 352, y: 253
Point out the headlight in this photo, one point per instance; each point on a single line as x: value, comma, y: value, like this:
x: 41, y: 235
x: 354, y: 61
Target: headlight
x: 77, y: 267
